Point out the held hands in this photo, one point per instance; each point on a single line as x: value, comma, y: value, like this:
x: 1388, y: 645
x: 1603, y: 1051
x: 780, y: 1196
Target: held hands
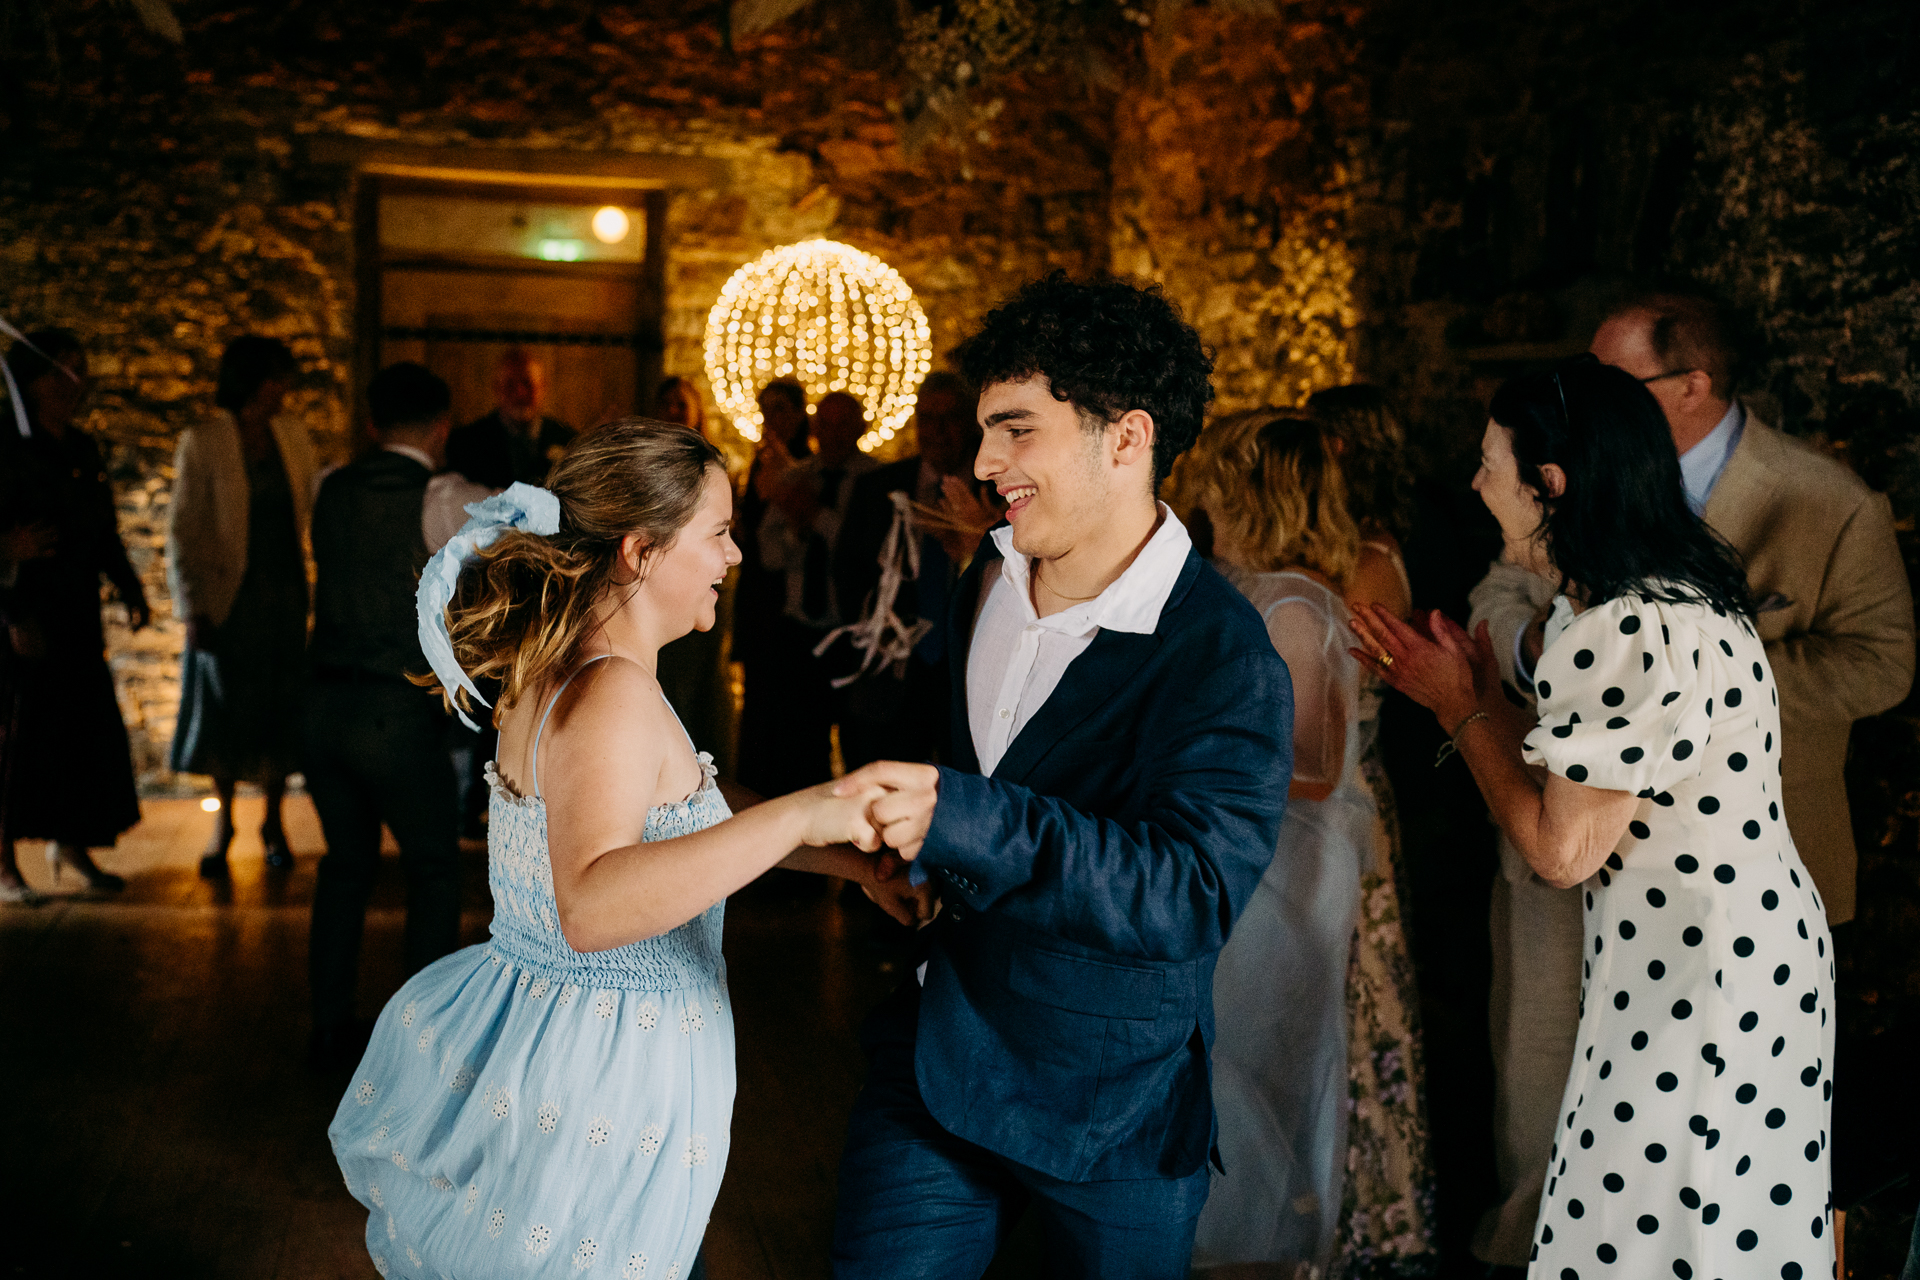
x: 1444, y: 670
x: 887, y: 887
x: 901, y: 802
x: 836, y: 814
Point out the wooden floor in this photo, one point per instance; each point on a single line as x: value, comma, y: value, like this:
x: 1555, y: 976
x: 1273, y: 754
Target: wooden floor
x: 161, y: 1119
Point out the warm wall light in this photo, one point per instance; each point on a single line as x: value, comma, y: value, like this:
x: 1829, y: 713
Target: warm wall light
x: 561, y: 250
x: 211, y: 804
x: 610, y: 225
x: 827, y: 316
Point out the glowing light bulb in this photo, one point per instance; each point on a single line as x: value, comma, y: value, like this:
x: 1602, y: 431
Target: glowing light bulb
x: 210, y: 805
x: 610, y: 225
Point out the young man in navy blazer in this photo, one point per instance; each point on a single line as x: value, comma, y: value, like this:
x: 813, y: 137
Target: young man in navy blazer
x: 1122, y: 734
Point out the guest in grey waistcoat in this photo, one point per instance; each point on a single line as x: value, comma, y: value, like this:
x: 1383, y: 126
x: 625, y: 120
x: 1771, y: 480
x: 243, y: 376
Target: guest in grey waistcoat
x: 375, y: 743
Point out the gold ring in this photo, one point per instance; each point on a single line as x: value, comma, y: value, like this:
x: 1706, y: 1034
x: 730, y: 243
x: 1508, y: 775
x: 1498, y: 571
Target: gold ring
x: 1385, y: 660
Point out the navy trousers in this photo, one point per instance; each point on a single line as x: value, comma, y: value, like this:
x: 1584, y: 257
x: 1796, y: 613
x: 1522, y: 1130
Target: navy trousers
x: 918, y: 1203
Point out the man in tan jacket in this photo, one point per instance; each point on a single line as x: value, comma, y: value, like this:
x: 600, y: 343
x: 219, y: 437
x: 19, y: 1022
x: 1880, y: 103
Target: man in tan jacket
x: 1837, y: 619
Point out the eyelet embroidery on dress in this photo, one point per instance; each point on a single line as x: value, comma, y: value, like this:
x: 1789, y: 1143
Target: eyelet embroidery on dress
x: 649, y: 1016
x: 567, y: 992
x: 539, y: 989
x: 636, y: 1268
x: 376, y: 1195
x: 691, y: 1021
x: 650, y: 1139
x: 425, y: 1042
x: 440, y: 1183
x: 696, y: 1152
x: 499, y: 1101
x: 539, y: 1239
x: 399, y: 1160
x: 378, y: 1139
x: 366, y: 1093
x: 583, y: 1255
x: 412, y: 1257
x: 548, y: 1117
x: 496, y: 1223
x: 473, y: 1196
x: 599, y: 1131
x: 379, y: 1264
x: 393, y: 1229
x: 462, y: 1080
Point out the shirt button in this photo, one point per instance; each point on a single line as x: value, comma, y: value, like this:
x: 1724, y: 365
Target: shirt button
x: 1004, y: 713
x: 1031, y: 628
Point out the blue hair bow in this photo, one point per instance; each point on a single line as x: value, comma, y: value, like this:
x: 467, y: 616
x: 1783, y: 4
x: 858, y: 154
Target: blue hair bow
x: 519, y: 506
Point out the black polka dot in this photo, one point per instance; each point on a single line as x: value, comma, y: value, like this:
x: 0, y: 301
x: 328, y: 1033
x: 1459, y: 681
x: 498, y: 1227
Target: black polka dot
x: 1781, y: 1193
x: 1626, y: 929
x: 1681, y: 1269
x: 1576, y: 773
x: 1699, y: 1126
x: 1726, y: 648
x: 1689, y: 1197
x: 1629, y: 625
x: 1743, y: 947
x: 1606, y: 1068
x: 1682, y: 749
x: 1656, y: 1153
x: 1613, y: 860
x: 1575, y: 1209
x: 1810, y: 1077
x: 1740, y: 1170
x: 1614, y: 1182
x: 1666, y: 1082
x: 1709, y: 1052
x: 1691, y: 935
x: 1647, y: 1223
x: 1769, y: 742
x: 1813, y: 1152
x: 1759, y: 674
x: 1583, y: 659
x: 1686, y: 864
x: 1732, y: 697
x: 1546, y: 690
x: 1773, y: 812
x: 1614, y: 696
x: 1803, y: 928
x: 1639, y: 1041
x: 1618, y: 722
x: 1744, y: 1094
x: 1562, y: 731
x: 1790, y: 1271
x: 1670, y: 699
x: 1747, y: 1239
x: 1736, y: 762
x: 1819, y: 1225
x: 1655, y: 898
x: 1623, y: 1111
x: 1640, y: 831
x: 1750, y: 829
x: 1586, y: 1139
x: 1781, y: 974
x: 1682, y: 1009
x: 1710, y: 1214
x: 1646, y: 662
x: 1568, y: 1273
x: 1696, y: 659
x: 1620, y: 999
x: 1769, y: 899
x: 1776, y: 1118
x: 1749, y: 1020
x: 1656, y: 970
x: 1709, y: 706
x: 1589, y: 899
x: 1709, y: 804
x: 1606, y: 1252
x: 1779, y: 1043
x: 1723, y: 873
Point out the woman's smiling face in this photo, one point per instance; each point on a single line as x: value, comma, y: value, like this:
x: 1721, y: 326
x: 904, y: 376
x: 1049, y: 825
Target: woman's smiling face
x: 682, y: 582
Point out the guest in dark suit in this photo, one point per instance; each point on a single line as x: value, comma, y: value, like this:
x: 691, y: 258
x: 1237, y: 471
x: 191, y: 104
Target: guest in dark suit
x: 1120, y: 761
x: 375, y: 743
x: 898, y: 710
x: 515, y: 441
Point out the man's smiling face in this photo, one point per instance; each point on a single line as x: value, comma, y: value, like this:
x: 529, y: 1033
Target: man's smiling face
x: 1047, y: 466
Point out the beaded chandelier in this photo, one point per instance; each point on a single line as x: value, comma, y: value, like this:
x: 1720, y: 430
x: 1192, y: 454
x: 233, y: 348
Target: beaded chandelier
x: 827, y: 316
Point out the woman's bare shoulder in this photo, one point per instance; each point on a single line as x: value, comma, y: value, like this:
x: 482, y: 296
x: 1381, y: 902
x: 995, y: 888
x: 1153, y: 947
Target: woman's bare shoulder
x: 1377, y: 580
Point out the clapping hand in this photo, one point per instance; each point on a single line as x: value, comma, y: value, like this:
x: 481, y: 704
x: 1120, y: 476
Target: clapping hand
x: 1445, y: 670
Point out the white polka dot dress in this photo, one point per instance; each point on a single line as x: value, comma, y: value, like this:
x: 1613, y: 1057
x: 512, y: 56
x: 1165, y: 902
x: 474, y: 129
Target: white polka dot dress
x: 1694, y: 1134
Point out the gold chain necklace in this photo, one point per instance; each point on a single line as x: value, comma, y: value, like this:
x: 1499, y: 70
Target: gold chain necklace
x: 1061, y: 595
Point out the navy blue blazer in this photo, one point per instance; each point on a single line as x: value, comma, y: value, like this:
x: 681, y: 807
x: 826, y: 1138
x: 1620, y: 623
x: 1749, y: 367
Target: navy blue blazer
x: 1067, y: 1016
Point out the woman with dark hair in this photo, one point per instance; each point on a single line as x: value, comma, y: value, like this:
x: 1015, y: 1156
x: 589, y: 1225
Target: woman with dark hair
x: 1694, y: 1139
x: 68, y: 774
x: 236, y: 561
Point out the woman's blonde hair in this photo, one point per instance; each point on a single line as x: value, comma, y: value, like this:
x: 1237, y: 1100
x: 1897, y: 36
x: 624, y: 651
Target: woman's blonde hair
x: 1270, y: 484
x: 525, y: 605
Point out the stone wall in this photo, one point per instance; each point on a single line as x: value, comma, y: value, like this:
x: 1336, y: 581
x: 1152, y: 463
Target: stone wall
x: 161, y: 201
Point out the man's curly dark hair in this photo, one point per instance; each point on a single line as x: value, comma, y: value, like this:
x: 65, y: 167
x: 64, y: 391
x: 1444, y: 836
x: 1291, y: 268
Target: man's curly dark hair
x: 1106, y: 348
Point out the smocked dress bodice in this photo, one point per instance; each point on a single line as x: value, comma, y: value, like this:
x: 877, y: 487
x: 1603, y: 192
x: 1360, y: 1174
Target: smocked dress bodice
x: 526, y: 921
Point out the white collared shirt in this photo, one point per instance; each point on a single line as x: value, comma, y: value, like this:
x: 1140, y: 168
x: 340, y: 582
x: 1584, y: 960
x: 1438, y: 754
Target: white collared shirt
x: 1701, y: 466
x: 1017, y: 658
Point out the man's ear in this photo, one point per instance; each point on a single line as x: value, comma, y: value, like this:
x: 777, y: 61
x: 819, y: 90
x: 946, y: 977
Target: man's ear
x: 1130, y: 438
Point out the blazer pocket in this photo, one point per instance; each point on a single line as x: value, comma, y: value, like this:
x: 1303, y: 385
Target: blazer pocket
x: 1086, y: 986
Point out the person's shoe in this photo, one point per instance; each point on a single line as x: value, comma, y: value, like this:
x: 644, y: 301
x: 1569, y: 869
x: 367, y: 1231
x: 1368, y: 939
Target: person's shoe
x: 15, y: 893
x: 61, y: 856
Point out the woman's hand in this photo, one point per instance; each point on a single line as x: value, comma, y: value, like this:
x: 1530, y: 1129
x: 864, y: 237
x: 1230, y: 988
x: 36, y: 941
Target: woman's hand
x: 829, y: 818
x: 886, y: 885
x: 1444, y: 670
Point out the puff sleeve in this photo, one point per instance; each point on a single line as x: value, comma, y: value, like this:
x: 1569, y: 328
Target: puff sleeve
x: 1624, y: 703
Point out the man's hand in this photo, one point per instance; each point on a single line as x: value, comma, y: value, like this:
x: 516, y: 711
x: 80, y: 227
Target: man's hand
x: 888, y: 889
x: 904, y: 812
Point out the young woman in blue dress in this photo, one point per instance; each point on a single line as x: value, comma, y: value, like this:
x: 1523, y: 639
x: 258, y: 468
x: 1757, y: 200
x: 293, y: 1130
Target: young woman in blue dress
x: 558, y: 1099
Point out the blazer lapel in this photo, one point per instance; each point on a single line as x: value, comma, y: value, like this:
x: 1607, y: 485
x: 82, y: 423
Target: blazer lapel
x: 1098, y: 676
x: 1737, y: 500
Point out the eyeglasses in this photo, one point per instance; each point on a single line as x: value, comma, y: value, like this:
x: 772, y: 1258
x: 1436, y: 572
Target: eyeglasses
x: 1671, y: 373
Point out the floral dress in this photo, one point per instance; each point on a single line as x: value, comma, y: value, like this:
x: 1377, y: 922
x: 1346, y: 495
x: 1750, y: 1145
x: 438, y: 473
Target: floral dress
x: 525, y: 1109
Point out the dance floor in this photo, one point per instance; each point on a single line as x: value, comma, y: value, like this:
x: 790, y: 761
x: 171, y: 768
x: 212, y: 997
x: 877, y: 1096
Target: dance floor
x: 163, y: 1120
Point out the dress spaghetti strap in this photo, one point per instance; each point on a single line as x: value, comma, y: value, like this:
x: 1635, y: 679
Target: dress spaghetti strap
x: 534, y: 764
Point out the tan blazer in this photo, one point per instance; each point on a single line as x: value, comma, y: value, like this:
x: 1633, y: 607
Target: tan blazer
x: 1840, y: 637
x: 207, y: 525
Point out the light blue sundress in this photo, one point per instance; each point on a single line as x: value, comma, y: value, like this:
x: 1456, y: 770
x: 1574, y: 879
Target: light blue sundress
x: 525, y: 1109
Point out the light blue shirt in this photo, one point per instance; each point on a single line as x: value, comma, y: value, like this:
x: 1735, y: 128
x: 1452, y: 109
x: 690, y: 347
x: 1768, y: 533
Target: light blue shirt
x: 1701, y: 466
